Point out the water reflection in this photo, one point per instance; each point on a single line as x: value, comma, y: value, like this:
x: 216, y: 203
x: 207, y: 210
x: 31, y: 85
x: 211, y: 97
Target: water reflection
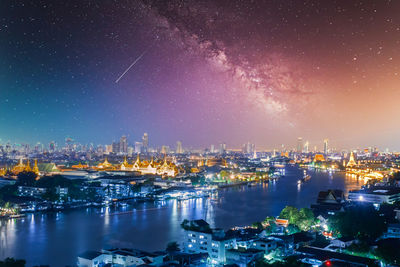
x: 90, y: 229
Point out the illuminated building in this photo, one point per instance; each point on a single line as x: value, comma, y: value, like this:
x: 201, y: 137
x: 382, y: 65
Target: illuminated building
x: 222, y: 148
x: 319, y: 158
x: 351, y: 162
x: 80, y: 166
x: 115, y: 147
x: 377, y: 195
x: 138, y: 147
x: 145, y: 141
x: 164, y: 149
x: 248, y: 148
x: 123, y: 145
x: 306, y: 147
x: 20, y: 167
x: 326, y: 146
x: 216, y: 161
x: 155, y: 168
x: 3, y: 171
x: 179, y: 149
x: 105, y: 165
x: 299, y: 145
x: 35, y: 168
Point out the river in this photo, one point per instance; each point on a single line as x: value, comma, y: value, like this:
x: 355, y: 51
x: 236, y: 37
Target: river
x: 56, y: 239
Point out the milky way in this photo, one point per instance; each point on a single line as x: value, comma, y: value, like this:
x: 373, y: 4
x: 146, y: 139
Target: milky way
x: 214, y: 71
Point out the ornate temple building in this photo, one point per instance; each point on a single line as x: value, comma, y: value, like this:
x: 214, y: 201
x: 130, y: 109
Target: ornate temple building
x: 352, y: 161
x: 319, y: 158
x: 20, y: 167
x: 80, y: 166
x: 163, y: 168
x: 105, y: 166
x: 156, y: 168
x: 3, y: 171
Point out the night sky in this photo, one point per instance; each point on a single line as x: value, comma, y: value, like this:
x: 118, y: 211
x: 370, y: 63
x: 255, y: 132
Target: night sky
x: 211, y: 71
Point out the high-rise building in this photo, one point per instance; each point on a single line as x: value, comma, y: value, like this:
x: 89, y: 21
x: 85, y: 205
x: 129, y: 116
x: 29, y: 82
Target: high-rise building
x: 306, y: 147
x: 123, y: 145
x: 164, y: 149
x: 179, y: 149
x: 326, y: 147
x: 212, y: 149
x: 138, y: 147
x: 248, y: 148
x: 299, y: 147
x: 115, y: 147
x: 52, y: 146
x: 109, y: 149
x: 222, y: 148
x: 145, y: 142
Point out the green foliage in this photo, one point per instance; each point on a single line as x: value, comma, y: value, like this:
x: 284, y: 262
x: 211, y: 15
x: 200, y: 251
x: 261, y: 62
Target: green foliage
x: 10, y: 262
x: 172, y: 247
x: 54, y: 181
x: 388, y: 251
x: 198, y: 180
x: 50, y: 195
x: 290, y: 261
x: 361, y: 249
x: 362, y: 222
x: 188, y: 225
x: 257, y: 225
x: 303, y: 218
x: 26, y: 178
x: 223, y: 174
x: 7, y: 192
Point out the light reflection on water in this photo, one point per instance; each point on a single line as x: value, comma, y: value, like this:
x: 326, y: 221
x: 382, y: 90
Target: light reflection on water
x: 150, y: 226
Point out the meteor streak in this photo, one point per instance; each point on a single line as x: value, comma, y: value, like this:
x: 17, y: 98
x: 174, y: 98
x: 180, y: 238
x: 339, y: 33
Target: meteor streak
x: 134, y: 62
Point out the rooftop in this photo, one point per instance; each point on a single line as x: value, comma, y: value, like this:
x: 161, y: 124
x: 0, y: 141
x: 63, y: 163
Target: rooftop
x: 378, y: 190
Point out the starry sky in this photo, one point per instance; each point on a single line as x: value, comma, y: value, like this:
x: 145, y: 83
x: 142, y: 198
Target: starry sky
x: 212, y: 71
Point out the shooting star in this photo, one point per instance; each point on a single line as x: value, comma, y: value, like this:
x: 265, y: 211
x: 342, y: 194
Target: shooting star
x: 134, y: 62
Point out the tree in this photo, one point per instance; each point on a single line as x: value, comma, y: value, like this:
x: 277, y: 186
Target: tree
x: 223, y: 174
x: 306, y: 219
x: 362, y: 222
x: 388, y: 251
x: 173, y: 247
x: 26, y: 178
x: 303, y: 218
x: 257, y: 225
x: 291, y: 214
x: 10, y: 262
x: 50, y: 195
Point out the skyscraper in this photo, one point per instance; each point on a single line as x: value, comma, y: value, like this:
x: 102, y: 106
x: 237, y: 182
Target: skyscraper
x: 222, y: 148
x: 179, y: 149
x: 115, y: 147
x: 306, y: 147
x: 145, y: 142
x: 326, y: 146
x: 138, y: 147
x: 299, y: 145
x: 164, y: 149
x: 123, y: 145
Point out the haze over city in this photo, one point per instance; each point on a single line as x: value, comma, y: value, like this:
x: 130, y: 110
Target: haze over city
x: 265, y: 72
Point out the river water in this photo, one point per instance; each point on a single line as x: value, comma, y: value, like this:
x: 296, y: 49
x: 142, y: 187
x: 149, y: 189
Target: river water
x: 56, y: 239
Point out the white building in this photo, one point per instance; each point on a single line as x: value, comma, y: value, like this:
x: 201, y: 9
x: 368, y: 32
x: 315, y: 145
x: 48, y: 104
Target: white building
x: 200, y: 238
x: 93, y: 259
x: 376, y: 195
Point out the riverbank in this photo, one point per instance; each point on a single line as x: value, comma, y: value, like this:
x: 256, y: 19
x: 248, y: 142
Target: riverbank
x: 132, y: 225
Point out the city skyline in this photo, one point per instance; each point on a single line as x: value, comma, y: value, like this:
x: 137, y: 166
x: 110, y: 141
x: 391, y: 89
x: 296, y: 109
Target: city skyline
x: 316, y: 70
x: 142, y: 145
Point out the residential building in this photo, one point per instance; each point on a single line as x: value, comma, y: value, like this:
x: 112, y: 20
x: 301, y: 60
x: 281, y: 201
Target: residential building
x: 376, y: 195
